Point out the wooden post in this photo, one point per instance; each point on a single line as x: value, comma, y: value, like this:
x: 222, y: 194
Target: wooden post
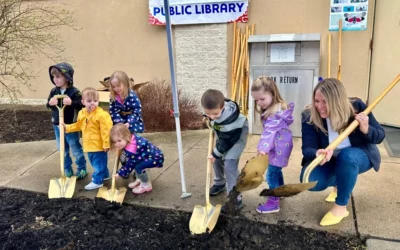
x: 239, y: 72
x: 329, y: 54
x: 339, y: 74
x: 237, y: 33
x: 233, y: 56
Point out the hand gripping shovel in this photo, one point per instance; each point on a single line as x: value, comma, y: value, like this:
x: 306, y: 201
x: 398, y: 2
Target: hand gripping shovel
x: 113, y: 194
x: 205, y: 218
x: 62, y: 187
x: 293, y: 189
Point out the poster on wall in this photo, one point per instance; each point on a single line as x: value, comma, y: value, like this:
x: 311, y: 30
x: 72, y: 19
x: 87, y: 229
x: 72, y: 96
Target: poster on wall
x: 198, y: 11
x: 352, y: 12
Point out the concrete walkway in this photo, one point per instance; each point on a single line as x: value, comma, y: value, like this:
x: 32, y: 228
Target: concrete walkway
x: 374, y: 209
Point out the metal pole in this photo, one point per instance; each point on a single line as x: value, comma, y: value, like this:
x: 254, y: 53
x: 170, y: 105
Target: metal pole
x: 175, y: 98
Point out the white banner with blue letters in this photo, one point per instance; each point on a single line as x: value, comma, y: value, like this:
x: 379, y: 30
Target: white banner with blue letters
x: 198, y: 11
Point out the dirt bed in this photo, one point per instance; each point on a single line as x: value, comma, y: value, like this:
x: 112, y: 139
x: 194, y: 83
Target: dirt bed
x: 32, y: 221
x: 23, y: 123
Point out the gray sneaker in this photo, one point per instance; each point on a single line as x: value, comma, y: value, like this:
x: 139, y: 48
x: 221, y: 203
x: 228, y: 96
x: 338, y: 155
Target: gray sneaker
x: 215, y: 190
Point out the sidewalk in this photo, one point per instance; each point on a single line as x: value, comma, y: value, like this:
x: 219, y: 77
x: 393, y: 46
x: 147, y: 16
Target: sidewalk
x: 375, y: 210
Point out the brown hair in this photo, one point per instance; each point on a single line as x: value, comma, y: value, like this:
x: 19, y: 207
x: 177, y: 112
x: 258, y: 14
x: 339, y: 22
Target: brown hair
x: 55, y: 72
x: 267, y: 84
x: 212, y: 99
x: 119, y: 130
x: 123, y: 79
x: 340, y: 109
x: 90, y: 93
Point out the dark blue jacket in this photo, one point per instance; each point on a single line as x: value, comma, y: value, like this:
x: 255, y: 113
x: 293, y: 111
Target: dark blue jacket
x: 131, y: 104
x: 145, y: 152
x: 314, y: 139
x: 71, y: 111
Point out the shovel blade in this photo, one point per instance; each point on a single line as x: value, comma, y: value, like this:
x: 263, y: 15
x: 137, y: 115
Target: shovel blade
x: 204, y: 219
x: 252, y: 175
x: 288, y: 190
x: 107, y: 194
x: 62, y: 187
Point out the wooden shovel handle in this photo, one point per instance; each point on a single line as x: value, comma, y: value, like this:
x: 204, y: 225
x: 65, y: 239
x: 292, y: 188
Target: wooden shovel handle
x: 209, y: 164
x: 115, y: 168
x: 347, y: 131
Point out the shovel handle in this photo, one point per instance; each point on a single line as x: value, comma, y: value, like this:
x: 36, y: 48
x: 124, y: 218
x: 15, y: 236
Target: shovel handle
x: 347, y: 131
x: 62, y: 133
x: 116, y: 162
x: 210, y: 148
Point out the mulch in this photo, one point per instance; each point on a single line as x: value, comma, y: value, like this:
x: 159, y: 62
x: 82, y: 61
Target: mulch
x: 32, y: 221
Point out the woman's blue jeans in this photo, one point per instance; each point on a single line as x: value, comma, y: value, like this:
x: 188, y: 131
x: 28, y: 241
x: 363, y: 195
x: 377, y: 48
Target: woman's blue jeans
x: 340, y: 171
x: 274, y: 176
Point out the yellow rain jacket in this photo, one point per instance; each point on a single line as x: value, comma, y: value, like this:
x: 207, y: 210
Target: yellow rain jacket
x: 95, y: 127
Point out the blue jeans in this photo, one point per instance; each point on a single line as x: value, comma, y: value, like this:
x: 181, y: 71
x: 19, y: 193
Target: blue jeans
x: 341, y: 172
x: 99, y: 161
x: 71, y: 142
x: 274, y: 176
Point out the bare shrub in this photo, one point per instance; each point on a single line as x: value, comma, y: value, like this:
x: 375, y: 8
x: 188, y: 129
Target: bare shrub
x: 157, y: 108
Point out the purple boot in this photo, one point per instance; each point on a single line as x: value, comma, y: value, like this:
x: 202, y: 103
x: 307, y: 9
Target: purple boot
x: 270, y: 206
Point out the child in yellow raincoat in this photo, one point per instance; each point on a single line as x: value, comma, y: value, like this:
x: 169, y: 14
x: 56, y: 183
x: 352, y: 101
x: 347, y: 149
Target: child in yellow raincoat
x: 95, y: 124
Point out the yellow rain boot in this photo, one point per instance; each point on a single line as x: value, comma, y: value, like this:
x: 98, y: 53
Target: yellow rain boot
x: 329, y: 219
x: 331, y: 197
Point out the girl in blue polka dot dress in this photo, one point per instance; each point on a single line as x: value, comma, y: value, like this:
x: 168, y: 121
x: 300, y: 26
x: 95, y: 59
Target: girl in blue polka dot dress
x: 125, y: 106
x: 137, y: 154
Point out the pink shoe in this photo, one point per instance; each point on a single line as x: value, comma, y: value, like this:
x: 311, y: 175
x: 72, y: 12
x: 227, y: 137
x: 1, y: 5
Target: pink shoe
x: 142, y: 189
x: 134, y: 184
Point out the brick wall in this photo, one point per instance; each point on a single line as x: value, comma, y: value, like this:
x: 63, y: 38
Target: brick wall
x: 201, y: 58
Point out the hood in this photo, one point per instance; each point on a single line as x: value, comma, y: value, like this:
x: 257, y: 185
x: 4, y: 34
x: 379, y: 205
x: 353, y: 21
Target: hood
x: 65, y: 69
x: 284, y: 115
x: 229, y: 114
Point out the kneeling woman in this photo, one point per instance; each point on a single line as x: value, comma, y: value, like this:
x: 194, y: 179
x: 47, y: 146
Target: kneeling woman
x: 329, y: 114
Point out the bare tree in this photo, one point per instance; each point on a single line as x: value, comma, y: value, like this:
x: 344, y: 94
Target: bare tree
x: 28, y: 28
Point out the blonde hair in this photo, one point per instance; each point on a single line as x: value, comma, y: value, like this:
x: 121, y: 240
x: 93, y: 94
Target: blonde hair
x: 123, y: 79
x: 119, y: 130
x: 267, y: 84
x: 340, y: 109
x: 90, y: 93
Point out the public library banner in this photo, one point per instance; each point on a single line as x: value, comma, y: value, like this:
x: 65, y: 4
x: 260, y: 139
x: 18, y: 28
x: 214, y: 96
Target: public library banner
x: 198, y: 11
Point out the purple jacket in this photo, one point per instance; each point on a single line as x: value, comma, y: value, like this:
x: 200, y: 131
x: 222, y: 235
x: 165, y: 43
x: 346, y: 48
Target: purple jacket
x: 276, y: 139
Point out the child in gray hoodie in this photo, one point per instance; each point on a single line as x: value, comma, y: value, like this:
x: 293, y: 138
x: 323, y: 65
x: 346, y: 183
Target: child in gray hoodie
x: 231, y: 128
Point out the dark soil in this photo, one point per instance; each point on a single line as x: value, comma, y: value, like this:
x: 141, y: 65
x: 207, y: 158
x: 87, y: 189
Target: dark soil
x: 32, y: 221
x: 22, y: 123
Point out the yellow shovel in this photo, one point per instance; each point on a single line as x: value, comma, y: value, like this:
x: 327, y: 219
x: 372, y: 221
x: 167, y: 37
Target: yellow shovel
x: 252, y: 175
x: 62, y: 187
x: 205, y: 218
x: 113, y: 194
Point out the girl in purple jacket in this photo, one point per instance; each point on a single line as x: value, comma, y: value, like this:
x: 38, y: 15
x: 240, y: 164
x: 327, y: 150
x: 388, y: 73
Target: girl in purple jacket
x: 276, y: 138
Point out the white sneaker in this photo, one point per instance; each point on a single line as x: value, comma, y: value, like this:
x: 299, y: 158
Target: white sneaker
x: 143, y: 188
x: 92, y: 186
